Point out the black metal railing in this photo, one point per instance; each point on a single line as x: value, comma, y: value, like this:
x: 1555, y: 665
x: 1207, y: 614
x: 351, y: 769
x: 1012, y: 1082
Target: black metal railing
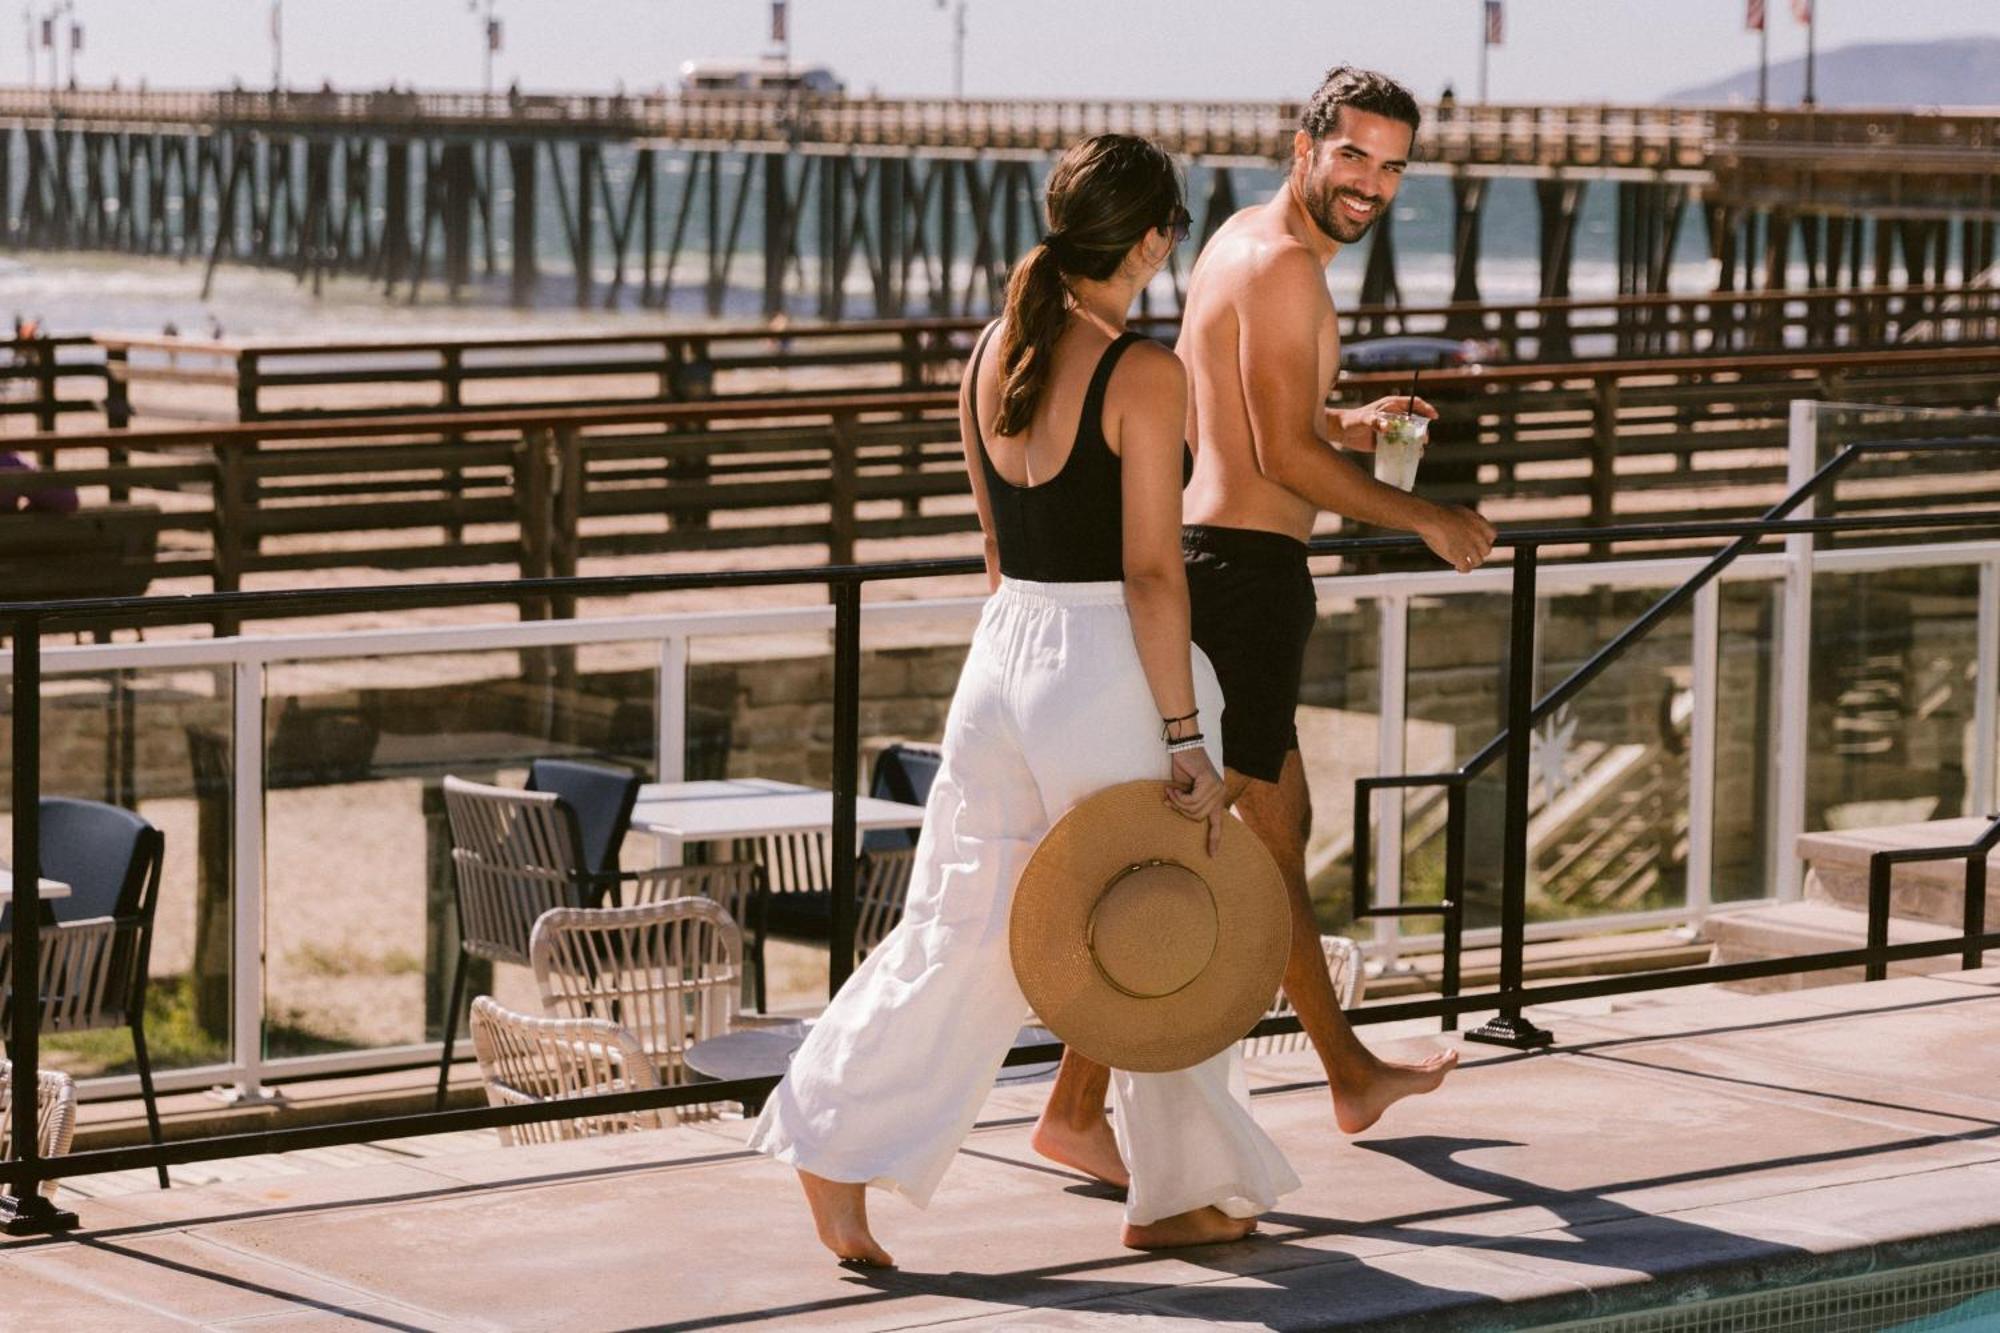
x: 1525, y: 711
x: 24, y: 1210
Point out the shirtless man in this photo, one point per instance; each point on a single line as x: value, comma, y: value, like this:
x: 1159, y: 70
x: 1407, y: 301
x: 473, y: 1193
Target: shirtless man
x: 1262, y: 348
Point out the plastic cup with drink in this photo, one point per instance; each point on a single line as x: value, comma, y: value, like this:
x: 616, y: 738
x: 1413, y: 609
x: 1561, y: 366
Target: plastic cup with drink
x: 1400, y: 438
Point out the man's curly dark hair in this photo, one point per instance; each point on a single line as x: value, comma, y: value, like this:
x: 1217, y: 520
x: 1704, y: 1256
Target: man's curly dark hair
x: 1362, y: 89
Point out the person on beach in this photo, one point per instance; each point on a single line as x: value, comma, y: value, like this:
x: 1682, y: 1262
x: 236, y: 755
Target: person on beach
x: 1262, y: 346
x: 1080, y: 676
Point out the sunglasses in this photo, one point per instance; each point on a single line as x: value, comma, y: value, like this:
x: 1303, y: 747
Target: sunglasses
x: 1178, y: 225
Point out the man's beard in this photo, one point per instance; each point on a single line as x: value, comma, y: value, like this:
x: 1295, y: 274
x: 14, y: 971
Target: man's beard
x: 1328, y: 217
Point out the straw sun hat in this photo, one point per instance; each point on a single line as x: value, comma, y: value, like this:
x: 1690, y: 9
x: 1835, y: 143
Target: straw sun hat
x: 1138, y: 948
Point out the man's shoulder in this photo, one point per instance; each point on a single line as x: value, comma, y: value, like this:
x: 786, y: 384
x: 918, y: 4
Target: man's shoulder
x: 1265, y: 264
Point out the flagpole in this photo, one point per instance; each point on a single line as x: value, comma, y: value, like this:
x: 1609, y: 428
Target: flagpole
x: 1484, y: 47
x: 1764, y: 63
x: 1812, y: 21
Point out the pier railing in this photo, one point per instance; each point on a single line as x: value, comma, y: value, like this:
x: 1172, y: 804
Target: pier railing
x: 1649, y: 137
x: 290, y: 380
x: 540, y: 490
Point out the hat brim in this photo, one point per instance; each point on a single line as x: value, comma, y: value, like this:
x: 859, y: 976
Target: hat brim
x: 1048, y: 936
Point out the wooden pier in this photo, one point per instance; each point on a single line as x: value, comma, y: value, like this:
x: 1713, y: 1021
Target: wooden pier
x: 905, y: 207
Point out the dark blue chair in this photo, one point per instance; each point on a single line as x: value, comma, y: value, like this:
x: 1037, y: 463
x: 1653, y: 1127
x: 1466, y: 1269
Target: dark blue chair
x: 96, y: 943
x: 600, y: 798
x: 903, y: 772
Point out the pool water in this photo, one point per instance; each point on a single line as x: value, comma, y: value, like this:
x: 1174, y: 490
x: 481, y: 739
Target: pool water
x: 1954, y: 1296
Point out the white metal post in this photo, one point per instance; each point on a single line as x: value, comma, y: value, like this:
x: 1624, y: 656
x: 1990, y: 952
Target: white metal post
x: 1788, y: 776
x: 670, y: 708
x: 246, y: 908
x: 1706, y: 661
x: 1392, y: 677
x: 1986, y: 693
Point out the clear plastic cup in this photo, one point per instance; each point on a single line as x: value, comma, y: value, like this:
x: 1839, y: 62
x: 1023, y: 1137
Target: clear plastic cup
x: 1400, y: 438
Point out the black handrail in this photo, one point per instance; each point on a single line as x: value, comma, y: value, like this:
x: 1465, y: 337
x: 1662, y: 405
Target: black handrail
x: 1524, y: 711
x: 1883, y: 863
x: 24, y: 1210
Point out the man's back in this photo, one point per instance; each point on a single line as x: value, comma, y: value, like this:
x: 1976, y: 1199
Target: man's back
x: 1252, y: 263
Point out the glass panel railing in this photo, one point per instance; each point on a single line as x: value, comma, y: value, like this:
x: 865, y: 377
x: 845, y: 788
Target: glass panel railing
x: 1609, y: 796
x: 1892, y: 704
x: 1746, y: 740
x: 157, y: 742
x: 360, y: 929
x: 1340, y: 739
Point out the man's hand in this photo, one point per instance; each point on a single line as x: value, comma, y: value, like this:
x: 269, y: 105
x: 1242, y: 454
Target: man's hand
x: 1353, y: 428
x: 1458, y: 536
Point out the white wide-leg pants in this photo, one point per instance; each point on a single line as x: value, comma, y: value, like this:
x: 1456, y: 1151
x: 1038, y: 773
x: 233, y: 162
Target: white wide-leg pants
x: 1052, y: 706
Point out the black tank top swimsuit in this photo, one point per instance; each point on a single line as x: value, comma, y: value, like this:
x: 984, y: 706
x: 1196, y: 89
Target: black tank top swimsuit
x: 1070, y: 528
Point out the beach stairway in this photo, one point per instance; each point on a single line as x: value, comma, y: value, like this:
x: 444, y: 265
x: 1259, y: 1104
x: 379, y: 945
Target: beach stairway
x: 1926, y: 902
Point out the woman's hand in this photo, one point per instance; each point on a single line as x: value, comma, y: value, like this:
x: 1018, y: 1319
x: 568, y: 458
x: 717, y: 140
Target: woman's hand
x: 1196, y: 791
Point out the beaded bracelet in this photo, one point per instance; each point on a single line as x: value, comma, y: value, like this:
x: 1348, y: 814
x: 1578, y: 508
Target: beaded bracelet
x: 1185, y: 743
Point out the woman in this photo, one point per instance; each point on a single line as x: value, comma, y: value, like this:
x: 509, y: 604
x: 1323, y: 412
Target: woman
x: 1080, y: 676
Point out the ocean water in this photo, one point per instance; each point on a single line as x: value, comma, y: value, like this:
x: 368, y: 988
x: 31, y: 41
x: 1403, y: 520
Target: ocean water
x: 97, y: 292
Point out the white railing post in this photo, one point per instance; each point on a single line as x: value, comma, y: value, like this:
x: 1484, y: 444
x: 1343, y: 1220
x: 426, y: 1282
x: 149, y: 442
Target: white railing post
x: 1986, y: 692
x: 1392, y: 677
x: 670, y: 709
x: 246, y: 901
x: 1705, y: 650
x: 1788, y: 776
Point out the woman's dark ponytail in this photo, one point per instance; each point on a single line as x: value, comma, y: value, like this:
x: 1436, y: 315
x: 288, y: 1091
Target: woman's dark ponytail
x: 1037, y: 309
x: 1105, y: 193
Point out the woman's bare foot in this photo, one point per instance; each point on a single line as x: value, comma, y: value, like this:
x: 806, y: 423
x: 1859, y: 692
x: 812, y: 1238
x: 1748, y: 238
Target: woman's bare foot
x: 840, y: 1214
x: 1091, y: 1149
x: 1203, y: 1226
x: 1360, y: 1100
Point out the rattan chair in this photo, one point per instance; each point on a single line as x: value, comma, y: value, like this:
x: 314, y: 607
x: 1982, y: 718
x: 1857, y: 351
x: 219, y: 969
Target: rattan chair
x: 669, y: 972
x: 1343, y: 964
x: 882, y: 884
x: 797, y: 898
x: 96, y: 944
x: 55, y: 1115
x: 515, y: 855
x: 526, y: 1061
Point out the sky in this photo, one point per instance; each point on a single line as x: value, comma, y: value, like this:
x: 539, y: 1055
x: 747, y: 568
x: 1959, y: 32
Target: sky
x: 1554, y: 50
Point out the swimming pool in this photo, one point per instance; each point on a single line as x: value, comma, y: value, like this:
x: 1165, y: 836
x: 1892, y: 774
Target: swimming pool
x: 1953, y: 1296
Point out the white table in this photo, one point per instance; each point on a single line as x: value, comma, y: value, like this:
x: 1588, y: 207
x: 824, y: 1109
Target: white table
x: 678, y: 813
x: 49, y: 888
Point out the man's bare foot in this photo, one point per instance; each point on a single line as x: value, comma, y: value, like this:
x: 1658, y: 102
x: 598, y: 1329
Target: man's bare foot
x: 1093, y: 1151
x: 1203, y: 1226
x: 840, y: 1214
x: 1360, y: 1101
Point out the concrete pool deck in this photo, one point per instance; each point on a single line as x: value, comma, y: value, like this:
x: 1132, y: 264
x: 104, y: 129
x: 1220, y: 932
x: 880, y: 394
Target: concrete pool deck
x: 1671, y: 1148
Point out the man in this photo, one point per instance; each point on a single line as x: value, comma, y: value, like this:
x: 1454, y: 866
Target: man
x: 1262, y: 347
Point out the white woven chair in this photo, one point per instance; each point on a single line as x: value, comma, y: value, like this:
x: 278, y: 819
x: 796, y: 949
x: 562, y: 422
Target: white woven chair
x: 668, y: 972
x: 732, y: 884
x: 514, y: 855
x: 55, y: 1115
x: 1343, y: 964
x: 526, y: 1061
x: 882, y: 884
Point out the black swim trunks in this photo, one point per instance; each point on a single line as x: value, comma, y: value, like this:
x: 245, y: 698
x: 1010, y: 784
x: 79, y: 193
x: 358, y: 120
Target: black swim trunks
x: 1253, y: 608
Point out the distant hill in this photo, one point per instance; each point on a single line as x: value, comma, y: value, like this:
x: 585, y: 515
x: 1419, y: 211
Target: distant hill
x: 1962, y: 71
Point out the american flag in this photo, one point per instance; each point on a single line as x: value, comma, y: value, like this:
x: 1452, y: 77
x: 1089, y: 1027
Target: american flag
x: 1493, y: 23
x: 1802, y: 10
x: 1753, y: 17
